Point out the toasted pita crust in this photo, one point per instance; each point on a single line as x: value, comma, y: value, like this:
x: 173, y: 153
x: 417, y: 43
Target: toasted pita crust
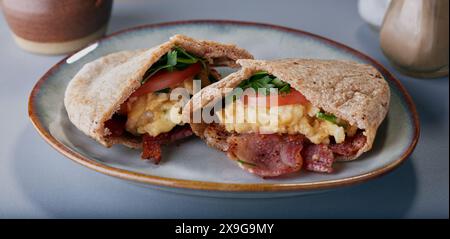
x: 355, y: 92
x: 101, y: 86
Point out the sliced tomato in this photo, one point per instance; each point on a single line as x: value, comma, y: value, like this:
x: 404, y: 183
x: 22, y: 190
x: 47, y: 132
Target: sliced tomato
x: 292, y: 98
x: 167, y: 79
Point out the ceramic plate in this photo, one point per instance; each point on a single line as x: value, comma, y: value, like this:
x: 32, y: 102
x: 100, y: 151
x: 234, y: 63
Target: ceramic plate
x: 192, y: 167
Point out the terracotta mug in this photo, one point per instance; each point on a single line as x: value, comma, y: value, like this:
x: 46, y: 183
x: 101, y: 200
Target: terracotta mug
x: 56, y: 26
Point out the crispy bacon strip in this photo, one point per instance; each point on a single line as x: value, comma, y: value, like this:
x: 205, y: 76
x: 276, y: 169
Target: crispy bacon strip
x: 273, y: 155
x: 116, y: 125
x: 350, y: 146
x: 152, y: 145
x: 151, y: 148
x: 268, y: 155
x: 318, y: 158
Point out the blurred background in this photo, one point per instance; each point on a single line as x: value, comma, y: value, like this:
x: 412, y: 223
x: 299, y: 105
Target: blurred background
x: 413, y: 35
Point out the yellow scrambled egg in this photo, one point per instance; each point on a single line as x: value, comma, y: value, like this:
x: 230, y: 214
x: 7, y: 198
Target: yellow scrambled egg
x: 155, y: 113
x: 290, y: 119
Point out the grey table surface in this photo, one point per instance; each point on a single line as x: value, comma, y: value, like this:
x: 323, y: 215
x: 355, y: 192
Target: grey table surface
x: 38, y: 182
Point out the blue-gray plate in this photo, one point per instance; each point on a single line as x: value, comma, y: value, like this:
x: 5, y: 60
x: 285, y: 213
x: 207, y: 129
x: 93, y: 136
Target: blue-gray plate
x: 193, y: 167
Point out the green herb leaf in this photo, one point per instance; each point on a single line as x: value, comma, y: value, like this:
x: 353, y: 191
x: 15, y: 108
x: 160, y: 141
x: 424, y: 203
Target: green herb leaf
x: 183, y: 52
x: 186, y: 60
x: 285, y: 89
x: 165, y: 90
x: 189, y: 58
x: 246, y: 163
x: 333, y: 119
x: 175, y: 59
x: 171, y: 60
x: 265, y: 81
x: 328, y: 117
x: 278, y: 82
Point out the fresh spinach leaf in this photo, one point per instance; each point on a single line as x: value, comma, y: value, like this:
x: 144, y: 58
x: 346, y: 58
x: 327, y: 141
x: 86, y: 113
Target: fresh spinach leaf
x: 165, y: 90
x: 328, y: 117
x: 171, y: 59
x: 332, y: 118
x: 176, y: 59
x: 246, y: 163
x: 264, y: 80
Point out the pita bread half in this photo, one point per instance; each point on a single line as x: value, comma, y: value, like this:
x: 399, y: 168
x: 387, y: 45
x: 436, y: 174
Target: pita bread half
x: 354, y: 92
x: 96, y: 92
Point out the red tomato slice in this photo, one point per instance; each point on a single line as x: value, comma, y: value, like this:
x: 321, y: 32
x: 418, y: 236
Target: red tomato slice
x: 292, y: 98
x: 166, y: 79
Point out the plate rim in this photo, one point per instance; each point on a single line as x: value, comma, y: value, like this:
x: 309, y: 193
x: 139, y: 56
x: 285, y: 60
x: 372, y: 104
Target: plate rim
x: 219, y: 186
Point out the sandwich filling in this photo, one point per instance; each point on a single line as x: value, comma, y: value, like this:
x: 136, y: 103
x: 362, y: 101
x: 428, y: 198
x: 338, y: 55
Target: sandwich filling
x: 150, y: 113
x: 279, y: 137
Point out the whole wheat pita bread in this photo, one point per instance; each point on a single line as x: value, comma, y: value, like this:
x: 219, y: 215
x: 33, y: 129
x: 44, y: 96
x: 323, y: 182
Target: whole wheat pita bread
x: 355, y: 92
x: 96, y: 92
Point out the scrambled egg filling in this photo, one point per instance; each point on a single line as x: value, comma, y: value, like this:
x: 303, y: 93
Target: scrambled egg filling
x: 155, y: 113
x: 290, y: 119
